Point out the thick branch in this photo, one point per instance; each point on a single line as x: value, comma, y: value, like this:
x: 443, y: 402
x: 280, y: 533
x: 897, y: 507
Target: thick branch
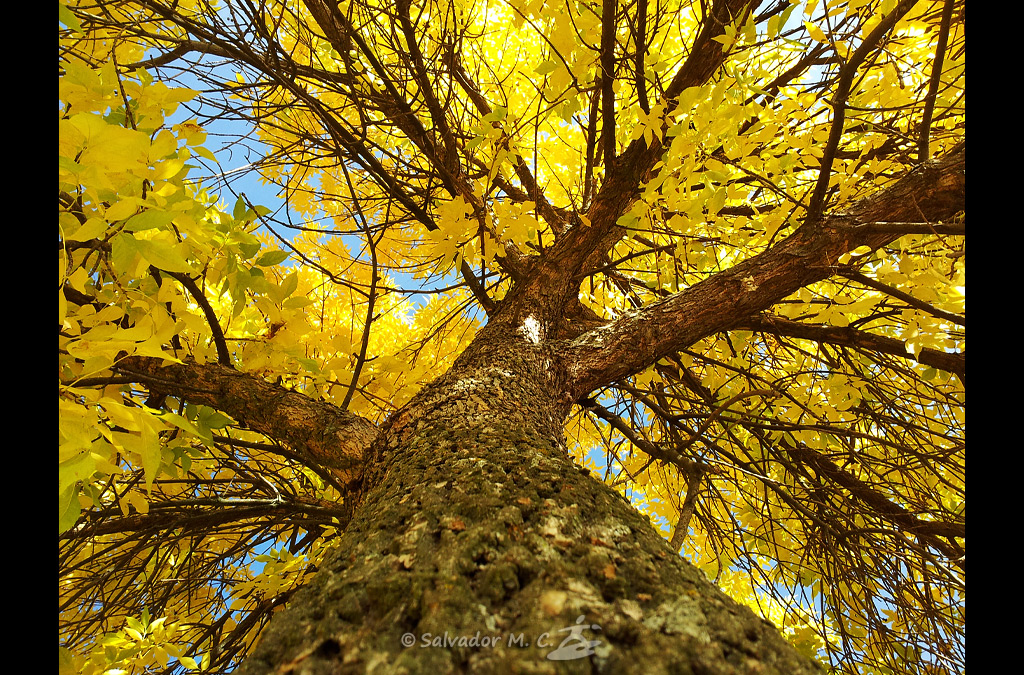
x: 585, y: 248
x: 933, y: 85
x: 843, y: 87
x: 608, y: 10
x: 190, y: 517
x: 879, y: 503
x: 638, y: 339
x: 320, y: 431
x: 951, y: 362
x: 905, y: 297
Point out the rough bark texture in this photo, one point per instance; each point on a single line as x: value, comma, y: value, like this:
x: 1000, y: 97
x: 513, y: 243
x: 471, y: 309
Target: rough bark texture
x: 475, y: 522
x: 470, y: 520
x: 935, y: 191
x: 467, y: 517
x: 330, y: 436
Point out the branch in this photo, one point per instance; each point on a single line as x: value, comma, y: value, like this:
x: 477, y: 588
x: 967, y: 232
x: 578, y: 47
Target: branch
x: 923, y: 153
x: 608, y: 10
x: 526, y: 177
x: 319, y: 431
x: 953, y: 229
x: 223, y: 354
x: 371, y: 299
x: 641, y: 47
x: 281, y: 451
x: 186, y: 47
x: 669, y: 455
x: 951, y: 362
x: 189, y: 517
x: 426, y: 89
x: 880, y: 504
x: 905, y: 297
x: 338, y: 30
x: 182, y: 49
x: 637, y: 339
x: 686, y: 511
x: 583, y: 249
x: 817, y: 203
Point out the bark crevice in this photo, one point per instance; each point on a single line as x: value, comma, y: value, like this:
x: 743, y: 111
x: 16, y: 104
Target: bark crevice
x: 477, y: 522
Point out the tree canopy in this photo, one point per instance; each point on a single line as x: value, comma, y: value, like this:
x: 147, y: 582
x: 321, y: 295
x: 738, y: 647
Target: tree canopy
x: 787, y: 177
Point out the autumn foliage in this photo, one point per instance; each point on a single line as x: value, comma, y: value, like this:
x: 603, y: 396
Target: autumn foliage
x: 807, y: 456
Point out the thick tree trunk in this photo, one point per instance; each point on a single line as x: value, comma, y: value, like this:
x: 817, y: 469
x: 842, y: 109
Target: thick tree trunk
x: 469, y: 520
x: 474, y: 523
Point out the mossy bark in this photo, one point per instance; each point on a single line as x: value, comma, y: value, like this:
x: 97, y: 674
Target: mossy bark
x: 475, y: 523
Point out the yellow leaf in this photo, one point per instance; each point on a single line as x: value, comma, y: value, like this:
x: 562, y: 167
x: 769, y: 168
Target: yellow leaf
x: 815, y: 32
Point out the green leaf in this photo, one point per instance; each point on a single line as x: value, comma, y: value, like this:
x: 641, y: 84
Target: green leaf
x: 92, y: 229
x: 67, y: 17
x: 148, y: 220
x: 271, y: 258
x: 70, y: 509
x: 310, y: 365
x: 162, y: 255
x: 123, y: 250
x: 213, y: 419
x: 297, y: 303
x: 238, y: 213
x: 249, y: 249
x: 77, y: 469
x: 546, y: 67
x: 497, y: 114
x: 288, y: 286
x: 183, y: 424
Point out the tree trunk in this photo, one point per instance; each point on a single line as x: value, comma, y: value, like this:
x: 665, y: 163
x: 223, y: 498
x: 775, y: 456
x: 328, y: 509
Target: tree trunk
x: 469, y: 521
x: 477, y: 540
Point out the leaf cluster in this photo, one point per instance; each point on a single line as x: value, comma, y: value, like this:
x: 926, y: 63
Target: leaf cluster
x: 810, y: 458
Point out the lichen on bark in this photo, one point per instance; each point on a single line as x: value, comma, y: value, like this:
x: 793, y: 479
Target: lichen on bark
x: 475, y: 522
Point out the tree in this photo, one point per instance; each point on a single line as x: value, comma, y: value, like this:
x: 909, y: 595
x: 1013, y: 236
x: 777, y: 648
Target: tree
x: 558, y: 292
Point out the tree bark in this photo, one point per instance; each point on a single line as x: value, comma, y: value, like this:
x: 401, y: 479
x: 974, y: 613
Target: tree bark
x: 468, y: 517
x: 475, y: 522
x: 464, y: 516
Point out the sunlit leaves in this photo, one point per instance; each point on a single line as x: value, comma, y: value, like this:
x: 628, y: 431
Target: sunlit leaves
x: 143, y: 642
x: 129, y: 222
x: 363, y: 300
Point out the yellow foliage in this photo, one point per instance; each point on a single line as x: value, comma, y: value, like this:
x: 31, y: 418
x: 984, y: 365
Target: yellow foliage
x: 364, y: 302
